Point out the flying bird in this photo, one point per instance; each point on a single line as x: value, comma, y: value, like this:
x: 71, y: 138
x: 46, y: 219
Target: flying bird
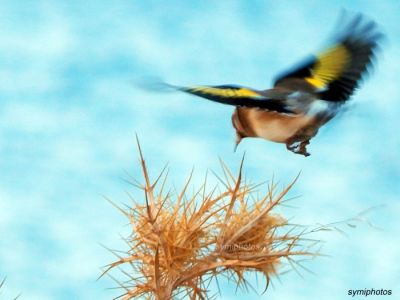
x: 306, y: 97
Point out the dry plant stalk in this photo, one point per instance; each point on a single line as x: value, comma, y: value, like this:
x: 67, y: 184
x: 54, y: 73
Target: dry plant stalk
x: 2, y: 283
x: 180, y: 243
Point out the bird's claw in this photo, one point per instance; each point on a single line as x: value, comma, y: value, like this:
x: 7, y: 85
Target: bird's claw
x: 299, y: 148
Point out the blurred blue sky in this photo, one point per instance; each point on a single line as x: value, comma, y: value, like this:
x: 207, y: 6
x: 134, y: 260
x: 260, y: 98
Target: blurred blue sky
x: 69, y: 110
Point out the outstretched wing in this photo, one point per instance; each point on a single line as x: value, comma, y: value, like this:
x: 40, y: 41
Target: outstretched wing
x: 237, y: 96
x: 335, y: 73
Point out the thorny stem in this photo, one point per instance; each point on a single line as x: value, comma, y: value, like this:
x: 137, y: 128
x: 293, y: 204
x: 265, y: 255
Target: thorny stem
x: 163, y: 262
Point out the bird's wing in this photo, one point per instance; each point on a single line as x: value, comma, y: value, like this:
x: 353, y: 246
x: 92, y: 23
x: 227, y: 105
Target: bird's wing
x: 335, y: 73
x: 238, y: 96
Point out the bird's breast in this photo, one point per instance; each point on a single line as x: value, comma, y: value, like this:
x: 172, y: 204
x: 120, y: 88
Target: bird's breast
x: 273, y: 126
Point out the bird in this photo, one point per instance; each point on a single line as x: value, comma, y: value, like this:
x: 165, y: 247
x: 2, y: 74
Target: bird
x: 305, y: 97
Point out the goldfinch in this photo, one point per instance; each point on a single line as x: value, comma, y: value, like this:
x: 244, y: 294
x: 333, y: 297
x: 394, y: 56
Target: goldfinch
x: 306, y: 97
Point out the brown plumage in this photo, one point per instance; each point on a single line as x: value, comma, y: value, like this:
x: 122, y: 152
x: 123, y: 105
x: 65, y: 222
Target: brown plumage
x: 306, y: 97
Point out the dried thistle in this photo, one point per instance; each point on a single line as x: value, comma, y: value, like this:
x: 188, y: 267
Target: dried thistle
x: 179, y: 242
x: 2, y: 283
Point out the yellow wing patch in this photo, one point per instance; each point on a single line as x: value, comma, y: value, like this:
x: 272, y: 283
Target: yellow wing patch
x: 329, y: 66
x: 225, y: 92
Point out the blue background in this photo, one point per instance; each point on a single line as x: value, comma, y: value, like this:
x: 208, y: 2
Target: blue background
x: 69, y: 110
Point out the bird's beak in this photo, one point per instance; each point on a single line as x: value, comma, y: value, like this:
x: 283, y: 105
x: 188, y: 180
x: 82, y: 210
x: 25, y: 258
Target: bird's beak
x: 237, y: 142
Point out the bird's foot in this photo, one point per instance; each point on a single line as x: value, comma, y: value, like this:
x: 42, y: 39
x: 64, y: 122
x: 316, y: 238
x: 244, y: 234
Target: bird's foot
x: 303, y: 148
x: 299, y: 147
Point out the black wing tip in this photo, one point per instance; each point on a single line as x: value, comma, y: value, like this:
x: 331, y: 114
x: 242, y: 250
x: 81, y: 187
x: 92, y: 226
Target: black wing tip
x: 359, y: 28
x: 362, y: 37
x: 154, y: 84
